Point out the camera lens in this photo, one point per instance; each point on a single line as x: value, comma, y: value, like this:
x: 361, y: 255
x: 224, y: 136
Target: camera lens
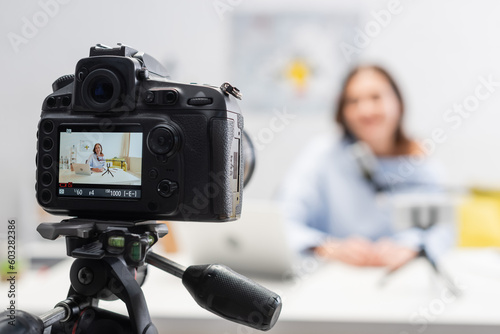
x: 101, y: 90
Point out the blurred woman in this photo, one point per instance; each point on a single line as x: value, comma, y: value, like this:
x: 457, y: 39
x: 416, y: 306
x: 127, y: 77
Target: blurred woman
x: 338, y: 204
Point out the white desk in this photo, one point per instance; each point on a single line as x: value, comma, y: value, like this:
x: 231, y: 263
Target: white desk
x: 335, y: 298
x: 119, y: 177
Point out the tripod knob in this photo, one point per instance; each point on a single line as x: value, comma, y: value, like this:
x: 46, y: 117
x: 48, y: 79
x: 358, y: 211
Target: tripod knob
x: 232, y: 296
x: 20, y: 323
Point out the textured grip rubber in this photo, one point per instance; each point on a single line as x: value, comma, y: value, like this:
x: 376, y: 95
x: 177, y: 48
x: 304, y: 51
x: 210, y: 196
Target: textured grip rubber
x: 232, y: 296
x: 24, y: 323
x: 222, y: 140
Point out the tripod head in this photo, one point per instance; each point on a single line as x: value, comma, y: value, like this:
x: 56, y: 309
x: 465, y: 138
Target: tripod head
x: 96, y: 239
x: 111, y: 262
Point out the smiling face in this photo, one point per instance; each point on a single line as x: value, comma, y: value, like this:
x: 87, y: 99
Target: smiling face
x: 97, y: 148
x: 372, y: 110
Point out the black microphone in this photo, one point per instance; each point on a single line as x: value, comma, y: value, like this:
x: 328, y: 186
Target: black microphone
x: 232, y: 296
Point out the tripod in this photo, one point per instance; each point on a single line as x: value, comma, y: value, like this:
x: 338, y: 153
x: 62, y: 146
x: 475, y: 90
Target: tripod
x: 424, y: 222
x: 111, y: 258
x: 107, y: 171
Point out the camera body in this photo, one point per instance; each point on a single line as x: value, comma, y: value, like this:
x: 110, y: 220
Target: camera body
x: 120, y: 141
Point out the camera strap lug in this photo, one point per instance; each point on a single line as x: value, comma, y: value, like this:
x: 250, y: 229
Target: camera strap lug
x: 227, y: 89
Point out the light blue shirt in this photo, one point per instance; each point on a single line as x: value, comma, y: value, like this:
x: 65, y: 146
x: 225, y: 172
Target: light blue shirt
x: 96, y: 162
x: 325, y: 195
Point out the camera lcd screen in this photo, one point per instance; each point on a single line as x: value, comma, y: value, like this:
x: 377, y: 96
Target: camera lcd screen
x: 100, y: 164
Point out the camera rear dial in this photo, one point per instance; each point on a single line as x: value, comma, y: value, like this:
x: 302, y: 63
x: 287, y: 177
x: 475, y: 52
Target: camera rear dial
x: 163, y: 140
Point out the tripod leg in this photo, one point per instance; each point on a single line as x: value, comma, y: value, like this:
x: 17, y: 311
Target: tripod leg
x: 450, y: 285
x: 97, y: 321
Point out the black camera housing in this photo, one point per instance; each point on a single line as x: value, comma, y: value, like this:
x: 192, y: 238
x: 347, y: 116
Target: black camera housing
x: 189, y: 136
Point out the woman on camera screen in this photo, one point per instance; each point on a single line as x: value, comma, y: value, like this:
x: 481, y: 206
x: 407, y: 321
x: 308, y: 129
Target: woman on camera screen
x: 96, y: 160
x: 336, y: 203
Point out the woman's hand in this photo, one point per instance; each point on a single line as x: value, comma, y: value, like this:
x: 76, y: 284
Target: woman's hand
x: 356, y: 250
x: 362, y: 252
x: 389, y: 254
x: 97, y: 170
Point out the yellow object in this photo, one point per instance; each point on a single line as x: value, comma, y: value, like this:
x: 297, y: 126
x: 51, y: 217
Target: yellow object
x: 479, y: 220
x: 118, y: 162
x: 298, y: 72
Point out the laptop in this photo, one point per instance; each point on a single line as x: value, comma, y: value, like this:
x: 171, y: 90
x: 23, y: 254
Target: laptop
x: 82, y: 169
x: 255, y: 244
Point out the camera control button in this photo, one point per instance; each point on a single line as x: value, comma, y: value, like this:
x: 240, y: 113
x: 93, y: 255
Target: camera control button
x: 47, y: 179
x: 153, y: 173
x: 47, y: 127
x: 149, y: 97
x: 170, y: 96
x: 166, y: 188
x: 47, y: 144
x: 47, y: 161
x: 200, y: 101
x: 161, y: 141
x: 82, y: 74
x: 143, y: 74
x: 45, y: 196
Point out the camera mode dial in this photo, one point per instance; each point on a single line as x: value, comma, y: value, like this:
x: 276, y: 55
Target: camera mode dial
x: 62, y: 81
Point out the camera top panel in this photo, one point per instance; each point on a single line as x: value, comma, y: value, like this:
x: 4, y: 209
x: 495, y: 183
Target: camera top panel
x: 123, y: 80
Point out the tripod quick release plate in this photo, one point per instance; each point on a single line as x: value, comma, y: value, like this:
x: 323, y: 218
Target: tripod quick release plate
x: 92, y: 239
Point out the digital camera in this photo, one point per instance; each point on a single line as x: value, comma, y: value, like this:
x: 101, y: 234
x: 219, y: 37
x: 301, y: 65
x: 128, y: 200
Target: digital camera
x: 119, y: 140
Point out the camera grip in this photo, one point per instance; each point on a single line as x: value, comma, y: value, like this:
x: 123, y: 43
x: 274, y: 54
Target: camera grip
x: 222, y: 140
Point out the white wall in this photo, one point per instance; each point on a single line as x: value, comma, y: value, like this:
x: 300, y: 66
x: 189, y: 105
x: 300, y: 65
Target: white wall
x: 111, y: 144
x: 135, y: 150
x: 437, y: 50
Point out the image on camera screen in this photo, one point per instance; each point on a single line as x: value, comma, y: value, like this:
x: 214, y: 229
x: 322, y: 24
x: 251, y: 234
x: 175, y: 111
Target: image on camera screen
x: 100, y: 164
